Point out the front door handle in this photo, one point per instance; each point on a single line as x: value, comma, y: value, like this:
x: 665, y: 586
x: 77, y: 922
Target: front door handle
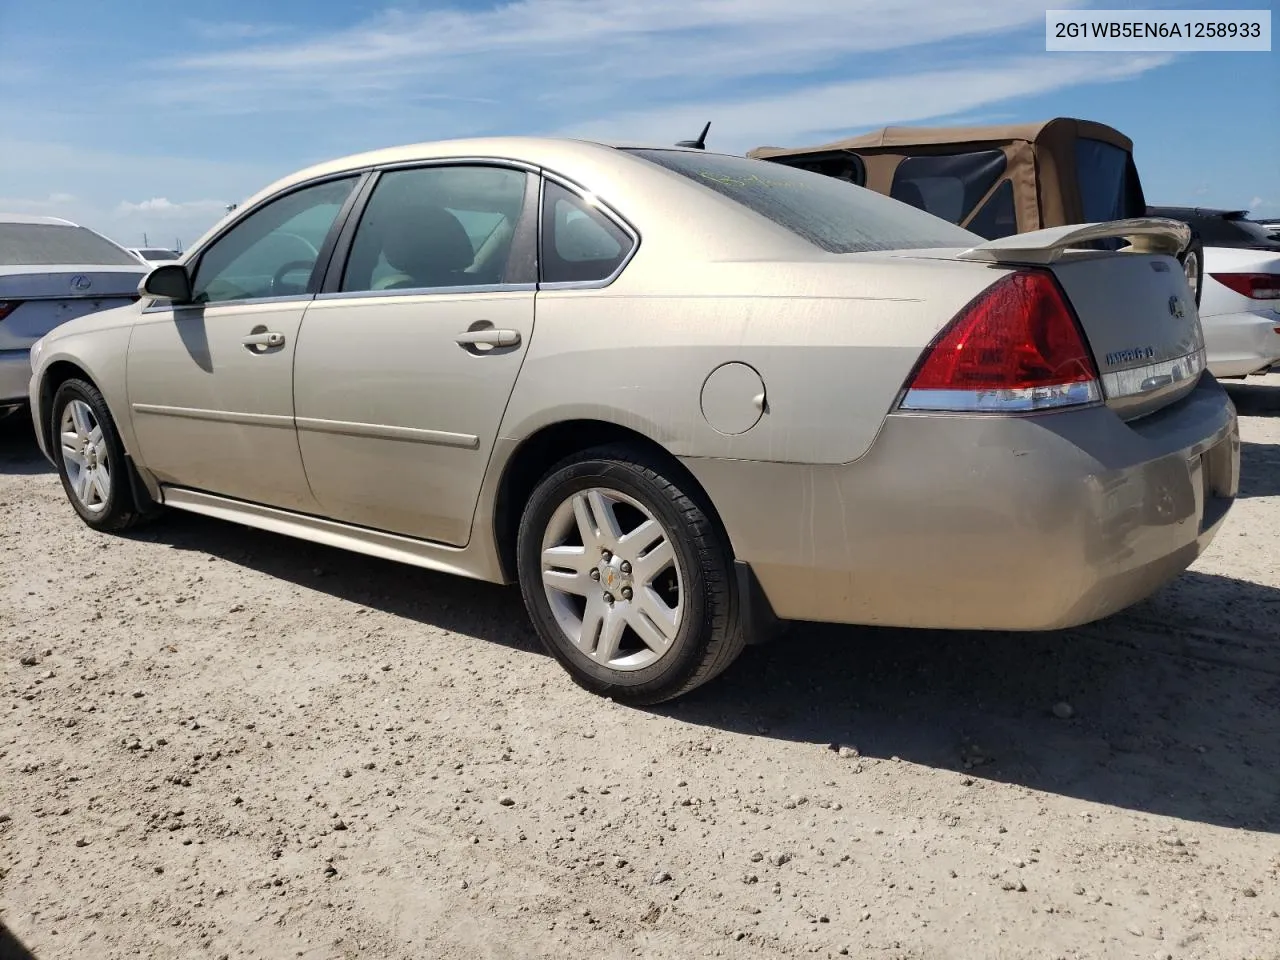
x: 264, y: 339
x: 488, y: 337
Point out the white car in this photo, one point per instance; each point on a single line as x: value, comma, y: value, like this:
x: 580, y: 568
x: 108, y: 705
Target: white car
x: 1240, y: 294
x: 153, y: 256
x: 52, y: 271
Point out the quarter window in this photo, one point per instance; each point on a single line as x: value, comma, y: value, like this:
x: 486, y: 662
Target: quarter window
x: 948, y: 186
x: 273, y: 251
x: 579, y: 243
x: 444, y: 226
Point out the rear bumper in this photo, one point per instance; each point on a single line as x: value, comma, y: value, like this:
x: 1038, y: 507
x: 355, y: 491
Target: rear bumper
x: 962, y: 522
x: 1240, y: 344
x: 15, y: 376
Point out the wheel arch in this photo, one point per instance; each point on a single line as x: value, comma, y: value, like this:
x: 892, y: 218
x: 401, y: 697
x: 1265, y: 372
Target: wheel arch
x: 543, y: 449
x: 55, y: 375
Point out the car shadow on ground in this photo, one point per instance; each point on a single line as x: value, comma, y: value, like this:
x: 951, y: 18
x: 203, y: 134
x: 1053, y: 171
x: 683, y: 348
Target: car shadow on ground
x: 11, y: 948
x: 1255, y: 399
x: 1175, y: 704
x: 19, y: 455
x: 1259, y: 470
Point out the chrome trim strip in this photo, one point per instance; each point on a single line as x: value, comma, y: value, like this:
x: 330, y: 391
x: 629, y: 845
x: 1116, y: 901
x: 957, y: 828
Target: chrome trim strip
x: 1021, y: 400
x: 217, y: 416
x: 453, y: 161
x: 157, y: 307
x: 389, y: 546
x: 1150, y: 377
x: 438, y: 438
x: 430, y: 291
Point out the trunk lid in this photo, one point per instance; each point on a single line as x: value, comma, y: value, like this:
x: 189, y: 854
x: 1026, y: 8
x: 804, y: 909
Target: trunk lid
x: 69, y: 282
x: 38, y: 299
x: 1135, y: 307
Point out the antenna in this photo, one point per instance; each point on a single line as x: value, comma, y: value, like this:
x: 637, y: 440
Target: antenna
x: 700, y: 143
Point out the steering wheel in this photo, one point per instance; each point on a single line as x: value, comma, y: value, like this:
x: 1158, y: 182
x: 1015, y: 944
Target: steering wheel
x: 288, y: 268
x: 311, y: 249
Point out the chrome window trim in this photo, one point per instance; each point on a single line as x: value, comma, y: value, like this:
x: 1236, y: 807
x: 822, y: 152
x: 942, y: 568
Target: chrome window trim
x: 608, y: 211
x: 163, y: 306
x: 489, y: 288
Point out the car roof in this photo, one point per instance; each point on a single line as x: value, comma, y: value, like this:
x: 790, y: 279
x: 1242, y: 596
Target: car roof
x: 26, y: 218
x: 536, y: 150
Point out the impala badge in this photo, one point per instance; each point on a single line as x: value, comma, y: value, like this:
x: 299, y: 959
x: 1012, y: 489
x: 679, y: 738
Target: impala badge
x: 1128, y: 356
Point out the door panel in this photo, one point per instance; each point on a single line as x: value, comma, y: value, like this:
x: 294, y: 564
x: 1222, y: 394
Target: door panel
x: 213, y: 413
x: 396, y: 419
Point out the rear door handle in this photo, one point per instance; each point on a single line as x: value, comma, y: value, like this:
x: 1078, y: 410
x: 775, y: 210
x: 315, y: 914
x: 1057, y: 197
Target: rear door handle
x: 488, y: 337
x: 270, y: 339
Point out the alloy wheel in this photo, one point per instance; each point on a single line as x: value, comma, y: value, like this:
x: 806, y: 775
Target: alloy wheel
x: 612, y: 579
x: 85, y: 455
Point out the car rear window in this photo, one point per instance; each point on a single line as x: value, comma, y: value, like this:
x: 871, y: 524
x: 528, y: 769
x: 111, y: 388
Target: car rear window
x: 832, y: 214
x: 38, y: 244
x: 1234, y: 232
x: 950, y: 185
x: 160, y: 254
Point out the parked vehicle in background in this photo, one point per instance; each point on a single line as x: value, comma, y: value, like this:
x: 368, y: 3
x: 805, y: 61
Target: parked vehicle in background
x: 750, y: 392
x: 1240, y: 303
x: 998, y: 180
x: 52, y: 271
x: 154, y: 255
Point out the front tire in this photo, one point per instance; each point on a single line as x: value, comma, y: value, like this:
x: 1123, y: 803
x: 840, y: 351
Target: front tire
x: 627, y: 578
x: 90, y: 457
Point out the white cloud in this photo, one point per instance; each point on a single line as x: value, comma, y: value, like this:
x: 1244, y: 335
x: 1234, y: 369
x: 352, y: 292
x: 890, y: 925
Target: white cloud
x: 164, y: 208
x: 834, y: 109
x: 1258, y: 202
x: 565, y: 52
x: 232, y: 30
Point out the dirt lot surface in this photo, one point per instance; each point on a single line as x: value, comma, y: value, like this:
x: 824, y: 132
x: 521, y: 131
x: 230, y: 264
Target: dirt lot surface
x: 223, y: 743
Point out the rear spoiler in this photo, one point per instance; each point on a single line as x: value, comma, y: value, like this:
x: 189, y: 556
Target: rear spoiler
x: 1145, y: 235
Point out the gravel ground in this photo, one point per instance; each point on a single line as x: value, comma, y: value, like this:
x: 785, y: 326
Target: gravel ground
x: 223, y: 743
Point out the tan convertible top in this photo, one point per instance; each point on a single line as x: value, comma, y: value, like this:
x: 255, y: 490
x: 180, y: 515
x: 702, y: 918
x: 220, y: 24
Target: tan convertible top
x: 1058, y: 128
x: 1040, y: 160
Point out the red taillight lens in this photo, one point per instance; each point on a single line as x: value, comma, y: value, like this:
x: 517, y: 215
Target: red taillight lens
x: 1015, y: 348
x: 8, y: 306
x: 1255, y: 286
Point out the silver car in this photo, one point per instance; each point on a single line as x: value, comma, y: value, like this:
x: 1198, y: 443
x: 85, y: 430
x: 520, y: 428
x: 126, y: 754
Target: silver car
x: 52, y: 271
x: 678, y: 396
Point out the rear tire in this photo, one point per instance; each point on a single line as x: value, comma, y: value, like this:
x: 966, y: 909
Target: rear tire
x: 628, y: 580
x: 90, y: 458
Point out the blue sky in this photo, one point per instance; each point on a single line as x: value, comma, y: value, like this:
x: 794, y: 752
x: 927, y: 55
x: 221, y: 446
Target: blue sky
x: 134, y: 117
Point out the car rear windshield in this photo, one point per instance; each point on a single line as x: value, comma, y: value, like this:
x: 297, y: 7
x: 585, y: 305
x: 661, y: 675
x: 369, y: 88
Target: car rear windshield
x: 832, y: 214
x: 39, y: 244
x: 1234, y: 232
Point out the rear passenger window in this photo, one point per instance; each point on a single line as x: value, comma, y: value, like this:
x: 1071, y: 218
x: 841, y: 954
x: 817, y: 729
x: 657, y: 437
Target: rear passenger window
x: 997, y: 218
x: 579, y: 243
x: 947, y: 186
x: 438, y: 226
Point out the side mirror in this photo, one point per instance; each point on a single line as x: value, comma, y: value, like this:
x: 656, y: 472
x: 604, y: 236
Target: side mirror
x: 169, y: 281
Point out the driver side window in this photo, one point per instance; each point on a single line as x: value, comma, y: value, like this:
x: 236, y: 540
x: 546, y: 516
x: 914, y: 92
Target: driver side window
x: 273, y: 251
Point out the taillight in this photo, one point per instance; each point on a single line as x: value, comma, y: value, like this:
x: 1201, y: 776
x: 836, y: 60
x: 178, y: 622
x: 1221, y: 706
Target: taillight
x: 1016, y: 347
x: 1255, y: 286
x: 8, y: 306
